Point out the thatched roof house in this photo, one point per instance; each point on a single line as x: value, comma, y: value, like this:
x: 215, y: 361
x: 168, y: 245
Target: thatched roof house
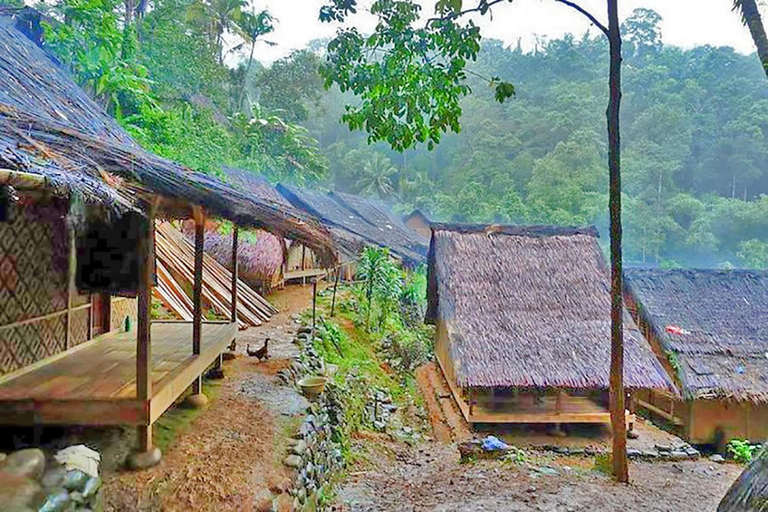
x: 418, y: 222
x: 528, y: 308
x: 50, y: 129
x: 357, y: 222
x: 710, y: 328
x: 78, y: 203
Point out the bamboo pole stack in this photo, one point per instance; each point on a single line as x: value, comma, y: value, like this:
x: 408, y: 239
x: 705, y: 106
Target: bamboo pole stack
x: 176, y: 263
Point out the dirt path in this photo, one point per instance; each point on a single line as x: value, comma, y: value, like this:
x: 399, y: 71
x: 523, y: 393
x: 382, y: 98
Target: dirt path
x: 430, y: 477
x: 394, y: 476
x: 230, y: 458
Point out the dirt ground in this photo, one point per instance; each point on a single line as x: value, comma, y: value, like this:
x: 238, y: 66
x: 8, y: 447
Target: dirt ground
x: 429, y: 476
x: 230, y: 458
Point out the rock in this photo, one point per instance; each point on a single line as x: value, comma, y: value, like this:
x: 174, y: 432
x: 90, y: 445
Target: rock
x: 677, y: 455
x: 663, y: 447
x: 54, y: 477
x: 77, y: 497
x: 633, y: 453
x: 56, y: 501
x: 300, y: 448
x: 408, y: 430
x: 693, y: 453
x: 304, y: 330
x: 29, y: 463
x: 144, y: 460
x: 91, y: 487
x: 75, y: 480
x: 717, y: 458
x: 19, y: 492
x: 563, y: 450
x: 197, y: 401
x: 292, y: 461
x: 632, y: 434
x: 650, y: 454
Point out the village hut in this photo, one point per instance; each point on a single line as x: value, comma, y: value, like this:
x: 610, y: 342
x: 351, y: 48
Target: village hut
x: 356, y: 223
x: 78, y: 203
x: 709, y: 328
x: 522, y: 318
x: 298, y: 262
x: 418, y: 222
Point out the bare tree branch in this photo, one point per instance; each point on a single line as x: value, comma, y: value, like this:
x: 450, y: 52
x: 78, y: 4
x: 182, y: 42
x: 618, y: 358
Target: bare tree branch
x: 586, y: 13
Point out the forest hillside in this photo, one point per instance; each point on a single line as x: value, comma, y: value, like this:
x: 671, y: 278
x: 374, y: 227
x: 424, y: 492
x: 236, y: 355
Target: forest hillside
x: 695, y: 124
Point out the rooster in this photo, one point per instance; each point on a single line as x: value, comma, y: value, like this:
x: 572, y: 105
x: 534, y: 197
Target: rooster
x: 262, y: 353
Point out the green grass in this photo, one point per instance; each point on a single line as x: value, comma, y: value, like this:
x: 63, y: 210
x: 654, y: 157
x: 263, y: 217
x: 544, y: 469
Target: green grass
x: 176, y: 420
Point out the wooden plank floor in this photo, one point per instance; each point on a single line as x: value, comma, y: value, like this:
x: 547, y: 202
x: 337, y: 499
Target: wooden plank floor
x: 106, y: 370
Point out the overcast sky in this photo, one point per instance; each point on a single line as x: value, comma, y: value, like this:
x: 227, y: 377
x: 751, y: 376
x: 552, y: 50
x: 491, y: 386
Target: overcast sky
x: 687, y: 23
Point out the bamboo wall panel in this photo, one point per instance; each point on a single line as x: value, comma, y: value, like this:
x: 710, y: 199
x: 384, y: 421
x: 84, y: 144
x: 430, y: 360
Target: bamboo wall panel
x: 123, y: 307
x: 80, y: 320
x: 33, y: 283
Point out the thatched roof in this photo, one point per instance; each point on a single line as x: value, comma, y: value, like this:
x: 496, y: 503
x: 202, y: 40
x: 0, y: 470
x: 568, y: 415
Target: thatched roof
x: 529, y: 307
x: 749, y: 493
x: 713, y: 324
x: 49, y: 127
x: 255, y: 184
x: 260, y: 254
x: 360, y: 218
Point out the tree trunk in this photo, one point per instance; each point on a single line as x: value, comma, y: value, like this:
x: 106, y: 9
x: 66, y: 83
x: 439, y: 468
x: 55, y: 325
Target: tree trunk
x: 245, y: 79
x: 620, y: 466
x: 754, y: 22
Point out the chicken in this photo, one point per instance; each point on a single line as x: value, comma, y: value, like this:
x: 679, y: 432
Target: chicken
x: 262, y: 353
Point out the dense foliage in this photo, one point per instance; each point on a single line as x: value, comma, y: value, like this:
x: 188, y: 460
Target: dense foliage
x: 160, y: 69
x: 695, y: 158
x: 695, y: 122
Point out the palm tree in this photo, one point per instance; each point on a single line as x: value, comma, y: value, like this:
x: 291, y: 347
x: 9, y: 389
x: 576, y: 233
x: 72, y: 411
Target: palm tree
x: 376, y: 177
x: 219, y: 16
x: 751, y: 17
x: 251, y: 27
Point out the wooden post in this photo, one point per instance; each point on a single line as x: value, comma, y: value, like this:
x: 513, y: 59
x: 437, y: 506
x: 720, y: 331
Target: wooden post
x: 314, y: 304
x: 71, y: 269
x: 234, y: 275
x: 335, y: 285
x: 197, y: 290
x: 146, y: 246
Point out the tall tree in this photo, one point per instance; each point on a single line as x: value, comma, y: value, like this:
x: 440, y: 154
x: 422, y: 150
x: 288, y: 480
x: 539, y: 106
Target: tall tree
x: 751, y: 17
x: 410, y: 79
x: 252, y: 26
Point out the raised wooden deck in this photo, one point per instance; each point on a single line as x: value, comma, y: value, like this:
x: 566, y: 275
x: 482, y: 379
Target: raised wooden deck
x: 95, y: 384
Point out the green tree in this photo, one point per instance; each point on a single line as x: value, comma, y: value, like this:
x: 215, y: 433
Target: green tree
x: 252, y: 26
x: 376, y: 176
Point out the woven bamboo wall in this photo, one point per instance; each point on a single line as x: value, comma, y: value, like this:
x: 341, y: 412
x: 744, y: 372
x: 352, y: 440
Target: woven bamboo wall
x: 123, y: 307
x: 294, y: 258
x: 33, y: 283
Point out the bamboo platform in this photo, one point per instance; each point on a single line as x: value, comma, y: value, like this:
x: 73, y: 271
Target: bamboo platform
x: 95, y: 383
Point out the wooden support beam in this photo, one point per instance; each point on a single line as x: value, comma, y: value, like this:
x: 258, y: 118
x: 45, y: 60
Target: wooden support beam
x: 197, y: 385
x: 143, y: 332
x: 197, y: 290
x: 335, y: 286
x: 145, y: 438
x: 233, y: 314
x: 71, y: 269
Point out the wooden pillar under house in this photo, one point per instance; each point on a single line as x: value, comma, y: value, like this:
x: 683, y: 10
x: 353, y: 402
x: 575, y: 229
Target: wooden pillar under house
x: 146, y: 247
x: 71, y: 269
x: 233, y: 315
x: 197, y: 293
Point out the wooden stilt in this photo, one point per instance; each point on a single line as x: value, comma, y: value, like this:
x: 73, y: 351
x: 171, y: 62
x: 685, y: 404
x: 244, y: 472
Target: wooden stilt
x: 335, y: 286
x: 314, y: 304
x: 145, y: 438
x: 197, y: 290
x: 233, y: 314
x: 147, y: 455
x: 143, y: 336
x: 197, y: 385
x: 71, y: 269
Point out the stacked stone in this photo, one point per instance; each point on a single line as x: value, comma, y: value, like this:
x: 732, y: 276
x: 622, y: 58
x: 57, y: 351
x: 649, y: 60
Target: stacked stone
x: 30, y: 481
x: 379, y: 409
x: 315, y: 452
